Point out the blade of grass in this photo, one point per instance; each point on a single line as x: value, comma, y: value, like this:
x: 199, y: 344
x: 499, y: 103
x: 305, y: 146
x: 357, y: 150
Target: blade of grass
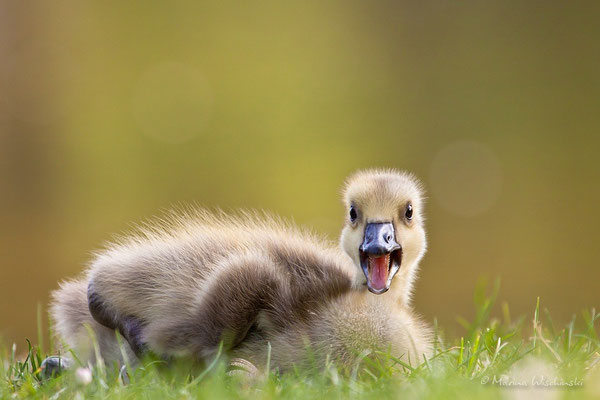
x: 40, y: 335
x: 462, y: 349
x: 474, y: 355
x: 207, y: 369
x: 536, y: 321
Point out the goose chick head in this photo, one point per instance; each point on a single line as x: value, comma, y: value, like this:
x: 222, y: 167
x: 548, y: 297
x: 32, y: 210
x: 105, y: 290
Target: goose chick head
x: 384, y: 232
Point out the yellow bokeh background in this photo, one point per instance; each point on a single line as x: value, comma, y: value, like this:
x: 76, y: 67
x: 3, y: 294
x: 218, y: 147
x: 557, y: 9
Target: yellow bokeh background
x: 111, y: 111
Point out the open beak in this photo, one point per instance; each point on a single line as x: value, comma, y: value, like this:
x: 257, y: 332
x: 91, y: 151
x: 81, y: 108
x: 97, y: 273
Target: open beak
x: 380, y: 256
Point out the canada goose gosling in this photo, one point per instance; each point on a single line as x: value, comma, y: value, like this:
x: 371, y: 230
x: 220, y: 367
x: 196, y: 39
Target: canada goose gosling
x: 164, y: 290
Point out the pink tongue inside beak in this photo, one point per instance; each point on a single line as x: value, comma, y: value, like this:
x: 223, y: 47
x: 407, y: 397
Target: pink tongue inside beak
x: 378, y: 271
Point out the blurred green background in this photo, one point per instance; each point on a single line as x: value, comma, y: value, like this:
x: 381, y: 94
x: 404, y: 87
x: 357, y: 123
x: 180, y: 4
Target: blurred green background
x: 111, y: 111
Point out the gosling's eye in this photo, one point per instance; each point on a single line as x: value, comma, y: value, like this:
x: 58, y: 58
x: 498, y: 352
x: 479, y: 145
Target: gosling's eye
x: 353, y: 214
x: 409, y: 212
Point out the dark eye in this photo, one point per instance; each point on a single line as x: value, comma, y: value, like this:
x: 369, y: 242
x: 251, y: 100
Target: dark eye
x: 353, y: 214
x: 409, y: 212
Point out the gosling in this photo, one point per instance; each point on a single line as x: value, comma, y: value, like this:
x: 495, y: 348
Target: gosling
x: 181, y: 286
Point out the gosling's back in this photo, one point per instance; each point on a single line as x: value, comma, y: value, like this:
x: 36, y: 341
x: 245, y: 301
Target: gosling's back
x: 192, y: 278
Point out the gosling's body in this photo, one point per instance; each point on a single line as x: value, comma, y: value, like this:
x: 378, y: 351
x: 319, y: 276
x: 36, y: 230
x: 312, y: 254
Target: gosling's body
x: 249, y: 281
x: 181, y: 289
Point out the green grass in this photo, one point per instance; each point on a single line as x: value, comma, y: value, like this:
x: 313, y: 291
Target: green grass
x: 495, y: 358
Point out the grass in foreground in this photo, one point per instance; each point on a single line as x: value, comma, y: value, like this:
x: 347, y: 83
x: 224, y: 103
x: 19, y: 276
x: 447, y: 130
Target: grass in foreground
x: 497, y: 358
